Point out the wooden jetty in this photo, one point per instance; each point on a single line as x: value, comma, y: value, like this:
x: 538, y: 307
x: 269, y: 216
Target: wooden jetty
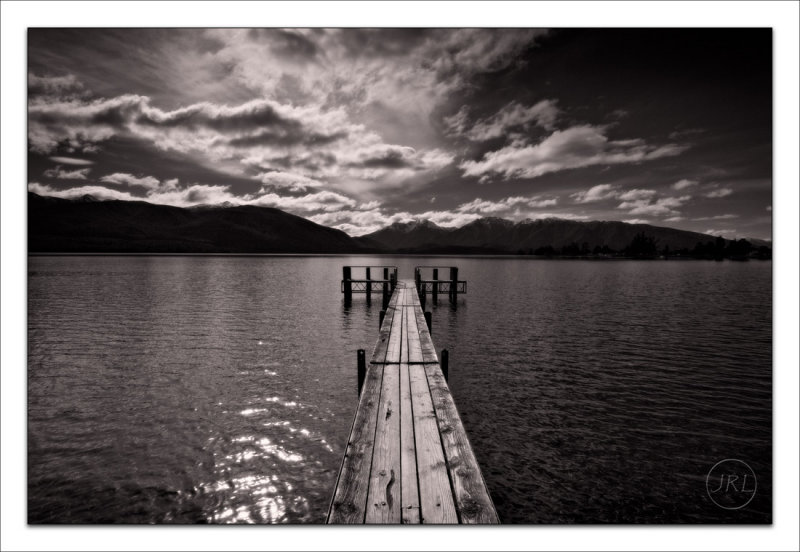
x: 408, y: 459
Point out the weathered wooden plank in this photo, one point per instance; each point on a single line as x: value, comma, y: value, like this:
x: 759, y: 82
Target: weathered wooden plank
x: 414, y: 346
x: 350, y: 494
x: 425, y: 341
x: 409, y: 493
x: 395, y: 347
x: 436, y: 496
x: 472, y: 497
x: 379, y: 353
x: 407, y: 336
x: 383, y: 502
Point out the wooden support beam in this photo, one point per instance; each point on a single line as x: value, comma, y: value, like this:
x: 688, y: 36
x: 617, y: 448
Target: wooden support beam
x: 348, y: 286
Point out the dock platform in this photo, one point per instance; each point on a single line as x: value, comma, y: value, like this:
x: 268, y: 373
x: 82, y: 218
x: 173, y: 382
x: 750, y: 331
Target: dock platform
x: 408, y: 459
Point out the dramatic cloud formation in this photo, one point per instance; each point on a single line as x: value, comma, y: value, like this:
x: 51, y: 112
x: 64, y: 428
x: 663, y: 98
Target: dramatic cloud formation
x: 360, y: 128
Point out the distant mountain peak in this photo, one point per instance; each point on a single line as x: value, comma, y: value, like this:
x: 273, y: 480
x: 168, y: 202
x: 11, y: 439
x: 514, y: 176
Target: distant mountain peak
x: 492, y: 221
x: 413, y: 225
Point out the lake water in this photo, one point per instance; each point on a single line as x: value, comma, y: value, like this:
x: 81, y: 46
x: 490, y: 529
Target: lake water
x: 222, y: 389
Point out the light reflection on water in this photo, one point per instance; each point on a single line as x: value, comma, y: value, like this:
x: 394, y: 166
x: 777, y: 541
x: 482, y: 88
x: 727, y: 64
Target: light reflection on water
x: 222, y: 390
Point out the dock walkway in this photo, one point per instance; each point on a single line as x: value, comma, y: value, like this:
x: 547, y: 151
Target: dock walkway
x: 408, y: 459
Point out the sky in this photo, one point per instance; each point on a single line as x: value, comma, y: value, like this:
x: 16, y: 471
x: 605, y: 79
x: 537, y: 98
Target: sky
x: 359, y: 128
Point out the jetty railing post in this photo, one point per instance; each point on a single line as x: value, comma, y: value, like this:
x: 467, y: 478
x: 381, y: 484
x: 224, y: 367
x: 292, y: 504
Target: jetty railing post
x: 417, y: 279
x: 362, y: 369
x: 445, y: 363
x: 435, y: 290
x: 348, y: 285
x: 453, y: 284
x: 385, y: 289
x: 369, y: 288
x: 429, y: 321
x: 393, y: 280
x: 380, y: 319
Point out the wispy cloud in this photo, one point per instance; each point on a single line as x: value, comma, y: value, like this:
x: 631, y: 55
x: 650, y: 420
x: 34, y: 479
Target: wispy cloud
x: 124, y: 179
x: 505, y: 205
x: 683, y: 183
x: 718, y: 217
x: 595, y: 193
x: 71, y: 161
x: 59, y: 173
x: 720, y: 192
x: 636, y: 194
x: 99, y: 192
x: 511, y: 120
x: 664, y: 206
x: 575, y: 147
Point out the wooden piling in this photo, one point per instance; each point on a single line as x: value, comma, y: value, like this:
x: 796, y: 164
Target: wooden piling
x: 381, y: 316
x: 453, y: 284
x: 362, y: 368
x: 385, y: 301
x: 369, y: 288
x: 429, y: 321
x: 348, y: 285
x: 445, y: 364
x: 435, y: 291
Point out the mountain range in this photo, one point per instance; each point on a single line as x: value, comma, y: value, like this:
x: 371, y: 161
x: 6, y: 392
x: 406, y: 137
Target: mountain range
x: 501, y: 235
x: 87, y: 225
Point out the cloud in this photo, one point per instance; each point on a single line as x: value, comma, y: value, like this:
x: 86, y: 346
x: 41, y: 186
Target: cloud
x: 683, y: 184
x: 78, y: 174
x: 71, y: 161
x: 293, y: 182
x: 636, y: 221
x: 63, y: 86
x: 202, y: 194
x: 632, y: 195
x: 99, y: 192
x: 721, y: 192
x: 575, y: 147
x: 664, y: 206
x: 595, y: 193
x: 511, y: 119
x: 124, y: 179
x: 310, y: 142
x: 718, y: 217
x: 317, y: 201
x: 360, y: 65
x: 508, y: 204
x: 674, y: 219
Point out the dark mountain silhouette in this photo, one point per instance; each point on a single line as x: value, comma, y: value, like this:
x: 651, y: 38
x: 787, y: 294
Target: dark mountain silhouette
x: 86, y: 225
x: 504, y: 236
